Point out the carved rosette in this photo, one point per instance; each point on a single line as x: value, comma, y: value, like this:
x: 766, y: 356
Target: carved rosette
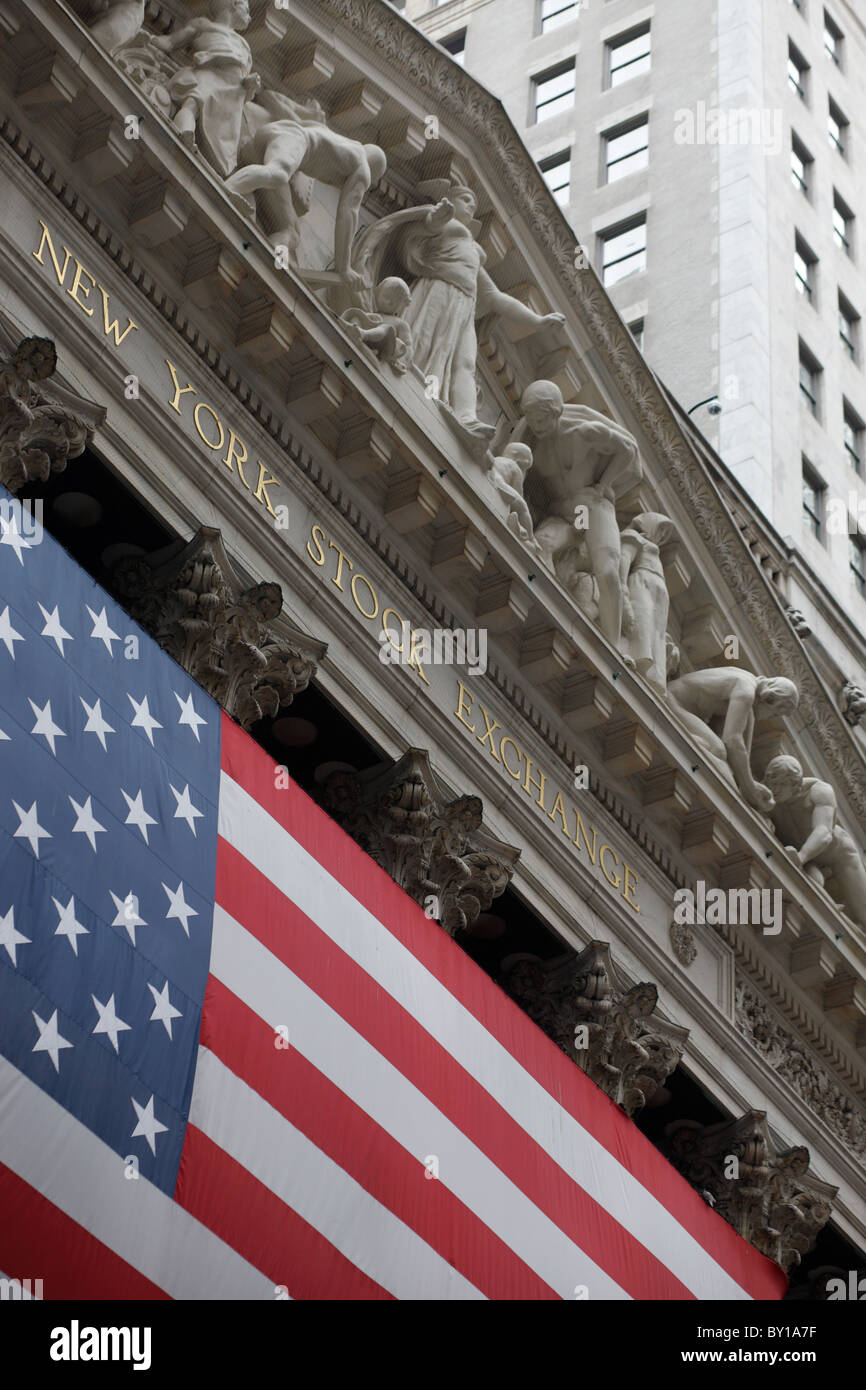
x: 766, y: 1194
x: 191, y: 600
x: 682, y: 943
x: 435, y: 847
x: 630, y: 1050
x: 42, y: 426
x: 799, y: 622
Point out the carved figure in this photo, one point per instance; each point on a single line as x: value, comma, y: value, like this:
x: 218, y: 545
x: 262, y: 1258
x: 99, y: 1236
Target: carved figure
x: 507, y: 473
x: 118, y: 23
x: 385, y: 330
x: 734, y: 696
x: 587, y: 463
x: 646, y: 602
x: 289, y: 138
x: 806, y: 814
x: 211, y: 90
x: 437, y: 246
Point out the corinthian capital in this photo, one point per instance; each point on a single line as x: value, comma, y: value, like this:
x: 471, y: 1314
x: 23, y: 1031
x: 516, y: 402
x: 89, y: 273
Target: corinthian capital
x: 42, y: 425
x: 767, y: 1194
x: 610, y: 1029
x: 434, y: 846
x: 224, y: 632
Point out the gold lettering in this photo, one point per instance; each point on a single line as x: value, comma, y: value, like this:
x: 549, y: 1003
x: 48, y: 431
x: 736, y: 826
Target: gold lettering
x: 581, y: 828
x: 339, y: 575
x: 627, y: 887
x: 528, y: 782
x: 178, y: 389
x: 263, y: 485
x: 502, y: 743
x: 115, y: 323
x: 318, y: 539
x: 235, y: 445
x: 77, y: 285
x: 559, y: 809
x: 46, y: 241
x: 462, y: 705
x: 202, y: 405
x: 614, y: 881
x: 373, y: 596
x: 488, y: 732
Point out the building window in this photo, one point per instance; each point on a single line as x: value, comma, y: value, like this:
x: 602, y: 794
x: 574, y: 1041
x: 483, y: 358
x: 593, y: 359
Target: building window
x: 455, y: 44
x: 857, y: 561
x: 849, y: 327
x: 801, y: 166
x: 557, y: 175
x: 623, y: 252
x: 833, y: 39
x: 843, y: 223
x: 813, y: 501
x: 626, y: 149
x: 837, y: 128
x: 798, y: 71
x: 556, y: 12
x: 805, y: 261
x: 852, y: 434
x: 628, y: 55
x: 810, y: 371
x: 554, y: 91
x: 636, y: 330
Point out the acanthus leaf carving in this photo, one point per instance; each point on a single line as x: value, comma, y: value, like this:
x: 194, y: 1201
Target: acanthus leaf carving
x: 189, y: 597
x: 42, y: 425
x: 434, y: 846
x: 629, y: 1050
x: 768, y: 1195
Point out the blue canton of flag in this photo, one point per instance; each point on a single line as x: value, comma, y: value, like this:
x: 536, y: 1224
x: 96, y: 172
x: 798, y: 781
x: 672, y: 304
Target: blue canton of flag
x: 109, y: 778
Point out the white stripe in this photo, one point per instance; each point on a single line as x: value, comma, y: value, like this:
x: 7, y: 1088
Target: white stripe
x: 263, y: 1141
x: 268, y: 987
x: 295, y: 873
x: 53, y: 1152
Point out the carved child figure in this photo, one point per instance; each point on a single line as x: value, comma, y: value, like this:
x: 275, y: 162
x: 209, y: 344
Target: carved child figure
x: 385, y: 331
x: 211, y: 91
x: 507, y: 473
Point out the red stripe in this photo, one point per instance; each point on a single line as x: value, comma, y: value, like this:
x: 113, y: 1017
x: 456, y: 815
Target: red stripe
x: 323, y: 839
x: 39, y: 1241
x: 362, y: 1148
x: 289, y: 934
x: 243, y: 1212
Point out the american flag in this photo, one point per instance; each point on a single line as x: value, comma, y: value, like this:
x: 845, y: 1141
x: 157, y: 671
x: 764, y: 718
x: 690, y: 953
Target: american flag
x: 236, y: 1060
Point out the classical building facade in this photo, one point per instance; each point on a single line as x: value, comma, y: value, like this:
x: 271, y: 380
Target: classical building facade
x: 302, y: 362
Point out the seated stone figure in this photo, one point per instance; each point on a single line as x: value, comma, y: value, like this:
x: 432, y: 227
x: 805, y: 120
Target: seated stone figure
x: 734, y: 696
x: 805, y: 814
x: 507, y: 473
x: 385, y: 330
